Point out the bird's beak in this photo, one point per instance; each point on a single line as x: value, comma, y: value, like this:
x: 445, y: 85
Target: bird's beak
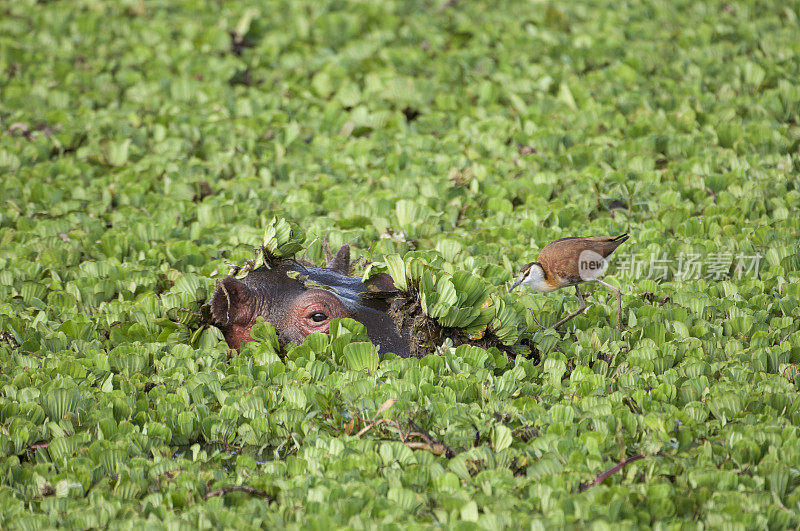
x: 516, y: 283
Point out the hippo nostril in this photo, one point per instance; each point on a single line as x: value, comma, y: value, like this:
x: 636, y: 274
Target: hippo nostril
x: 318, y: 317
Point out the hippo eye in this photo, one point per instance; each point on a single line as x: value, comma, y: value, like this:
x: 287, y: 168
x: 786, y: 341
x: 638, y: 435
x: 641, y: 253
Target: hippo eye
x: 318, y: 317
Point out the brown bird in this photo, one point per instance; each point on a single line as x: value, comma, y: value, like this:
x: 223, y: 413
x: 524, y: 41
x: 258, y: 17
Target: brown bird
x: 569, y: 262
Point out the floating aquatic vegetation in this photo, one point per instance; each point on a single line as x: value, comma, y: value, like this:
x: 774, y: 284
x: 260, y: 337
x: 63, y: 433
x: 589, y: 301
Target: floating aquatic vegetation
x: 146, y: 145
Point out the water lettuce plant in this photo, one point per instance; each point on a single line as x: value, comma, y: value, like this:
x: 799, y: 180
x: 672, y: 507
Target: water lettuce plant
x: 145, y: 146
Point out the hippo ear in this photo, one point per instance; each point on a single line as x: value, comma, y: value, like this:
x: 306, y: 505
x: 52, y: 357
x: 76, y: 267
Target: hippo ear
x: 382, y: 282
x: 231, y: 302
x: 341, y: 262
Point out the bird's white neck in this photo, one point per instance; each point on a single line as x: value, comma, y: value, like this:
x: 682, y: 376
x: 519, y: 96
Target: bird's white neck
x: 536, y: 280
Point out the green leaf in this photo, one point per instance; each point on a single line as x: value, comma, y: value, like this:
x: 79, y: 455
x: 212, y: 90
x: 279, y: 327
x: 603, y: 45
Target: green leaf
x: 243, y: 25
x: 58, y: 402
x: 501, y: 438
x: 397, y: 270
x: 361, y: 356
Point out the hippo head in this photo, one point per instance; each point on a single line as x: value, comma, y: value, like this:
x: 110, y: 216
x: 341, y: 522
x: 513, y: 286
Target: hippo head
x: 299, y: 300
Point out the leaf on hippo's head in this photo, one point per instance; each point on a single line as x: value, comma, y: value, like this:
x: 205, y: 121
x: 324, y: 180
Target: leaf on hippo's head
x: 312, y: 284
x: 281, y: 240
x: 296, y: 275
x: 254, y: 263
x: 397, y: 270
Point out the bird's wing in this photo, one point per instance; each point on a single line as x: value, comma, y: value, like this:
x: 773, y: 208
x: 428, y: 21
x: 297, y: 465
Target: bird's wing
x: 605, y: 245
x: 559, y: 259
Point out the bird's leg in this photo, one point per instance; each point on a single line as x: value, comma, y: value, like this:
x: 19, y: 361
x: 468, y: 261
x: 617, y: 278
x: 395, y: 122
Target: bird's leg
x: 619, y: 301
x: 576, y: 312
x: 535, y: 320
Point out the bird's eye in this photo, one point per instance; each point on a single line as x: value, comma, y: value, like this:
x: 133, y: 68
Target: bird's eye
x: 318, y: 317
